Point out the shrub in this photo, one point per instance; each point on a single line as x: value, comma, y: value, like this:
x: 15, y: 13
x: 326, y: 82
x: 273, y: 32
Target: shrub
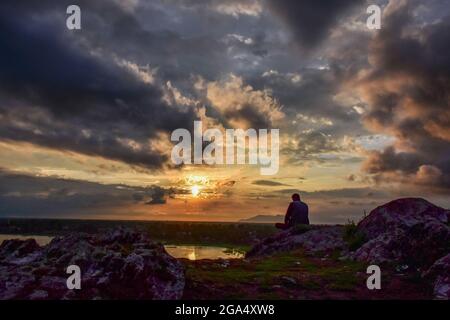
x: 353, y: 237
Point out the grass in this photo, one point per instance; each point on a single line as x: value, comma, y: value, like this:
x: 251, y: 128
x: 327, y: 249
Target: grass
x: 261, y: 277
x: 354, y: 238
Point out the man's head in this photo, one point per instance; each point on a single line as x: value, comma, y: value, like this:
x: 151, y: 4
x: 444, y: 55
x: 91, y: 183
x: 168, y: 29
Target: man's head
x: 295, y: 197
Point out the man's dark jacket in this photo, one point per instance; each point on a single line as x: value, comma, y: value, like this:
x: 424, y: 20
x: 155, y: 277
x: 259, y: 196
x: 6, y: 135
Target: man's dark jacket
x: 297, y: 213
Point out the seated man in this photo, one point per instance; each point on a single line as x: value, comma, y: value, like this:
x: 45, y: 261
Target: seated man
x: 297, y: 213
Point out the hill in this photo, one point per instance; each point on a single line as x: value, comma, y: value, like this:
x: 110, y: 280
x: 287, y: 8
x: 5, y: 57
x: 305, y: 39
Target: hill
x: 264, y: 219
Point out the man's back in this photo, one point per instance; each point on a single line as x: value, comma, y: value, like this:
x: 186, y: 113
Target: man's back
x: 298, y: 213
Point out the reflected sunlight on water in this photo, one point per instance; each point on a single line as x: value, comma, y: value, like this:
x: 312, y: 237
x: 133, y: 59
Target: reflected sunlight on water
x: 202, y: 252
x: 176, y: 251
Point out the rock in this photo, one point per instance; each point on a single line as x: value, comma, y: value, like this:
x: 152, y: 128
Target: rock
x: 15, y: 248
x: 120, y: 264
x: 39, y: 295
x: 401, y: 268
x: 401, y: 214
x: 277, y: 286
x: 323, y: 239
x: 439, y: 275
x: 288, y: 281
x: 409, y: 231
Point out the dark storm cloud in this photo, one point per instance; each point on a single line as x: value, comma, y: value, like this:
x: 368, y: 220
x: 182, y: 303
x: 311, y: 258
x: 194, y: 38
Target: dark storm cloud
x: 23, y: 195
x: 310, y: 101
x: 158, y: 195
x: 390, y: 160
x: 58, y: 93
x: 26, y: 195
x: 72, y: 90
x: 76, y: 92
x: 310, y: 21
x: 407, y: 90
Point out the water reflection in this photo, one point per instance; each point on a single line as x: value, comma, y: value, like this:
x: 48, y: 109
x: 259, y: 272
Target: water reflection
x: 202, y: 252
x: 176, y: 251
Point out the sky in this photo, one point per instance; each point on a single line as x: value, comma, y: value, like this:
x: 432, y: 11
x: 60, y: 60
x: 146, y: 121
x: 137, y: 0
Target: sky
x: 86, y: 115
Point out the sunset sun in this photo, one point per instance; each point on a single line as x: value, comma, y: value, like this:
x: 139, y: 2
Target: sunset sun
x: 195, y: 190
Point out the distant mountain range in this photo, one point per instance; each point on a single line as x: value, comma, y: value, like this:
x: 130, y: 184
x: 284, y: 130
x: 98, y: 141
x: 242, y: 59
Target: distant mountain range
x: 264, y: 219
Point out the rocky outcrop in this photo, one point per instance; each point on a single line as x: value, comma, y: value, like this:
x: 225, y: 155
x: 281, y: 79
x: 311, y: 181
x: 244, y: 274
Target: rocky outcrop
x: 120, y: 264
x: 439, y: 275
x: 401, y: 214
x: 313, y: 240
x: 410, y: 231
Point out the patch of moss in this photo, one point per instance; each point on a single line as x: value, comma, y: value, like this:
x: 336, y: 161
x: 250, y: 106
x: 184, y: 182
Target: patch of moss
x: 311, y: 274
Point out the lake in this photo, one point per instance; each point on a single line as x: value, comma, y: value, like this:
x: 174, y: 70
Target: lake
x: 177, y: 251
x: 202, y: 252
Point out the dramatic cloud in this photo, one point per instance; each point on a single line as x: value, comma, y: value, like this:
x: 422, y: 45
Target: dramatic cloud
x: 241, y: 105
x: 407, y: 90
x: 59, y: 93
x: 310, y: 21
x: 27, y: 195
x: 119, y: 86
x: 157, y: 194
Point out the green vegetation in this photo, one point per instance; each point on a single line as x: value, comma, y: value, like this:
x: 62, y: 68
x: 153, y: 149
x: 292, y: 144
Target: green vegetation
x: 284, y: 274
x: 353, y: 236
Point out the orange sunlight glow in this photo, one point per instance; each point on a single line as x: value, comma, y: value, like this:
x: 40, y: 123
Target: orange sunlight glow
x: 195, y: 190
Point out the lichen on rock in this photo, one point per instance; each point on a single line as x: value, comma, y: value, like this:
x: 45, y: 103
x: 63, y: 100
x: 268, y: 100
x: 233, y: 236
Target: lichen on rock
x: 119, y: 264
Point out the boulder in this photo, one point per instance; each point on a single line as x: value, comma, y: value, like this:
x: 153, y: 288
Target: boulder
x: 17, y: 248
x: 312, y: 239
x: 401, y: 214
x: 410, y: 231
x: 439, y: 276
x: 119, y: 264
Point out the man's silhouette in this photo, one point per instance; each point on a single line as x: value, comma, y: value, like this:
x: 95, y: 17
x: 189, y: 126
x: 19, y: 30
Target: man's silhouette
x: 297, y: 213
